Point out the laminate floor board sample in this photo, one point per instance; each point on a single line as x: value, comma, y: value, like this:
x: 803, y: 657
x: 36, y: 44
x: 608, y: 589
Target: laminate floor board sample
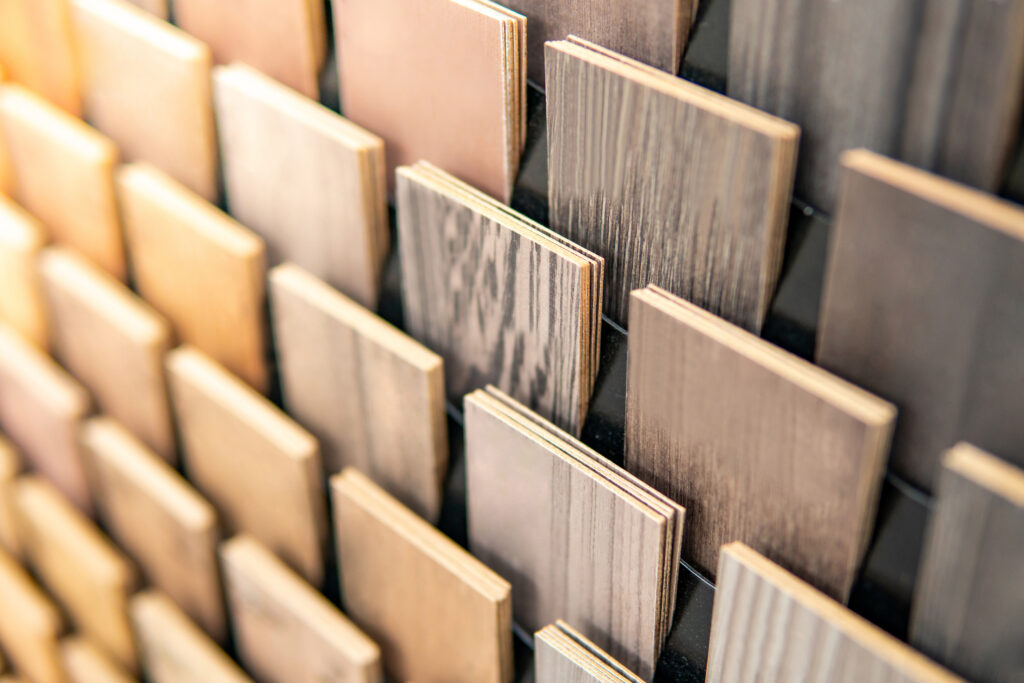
x: 436, y: 611
x: 396, y: 65
x: 159, y: 519
x: 570, y: 528
x: 769, y: 625
x: 759, y: 445
x: 284, y: 629
x: 10, y: 468
x: 563, y: 655
x: 260, y: 469
x: 968, y: 607
x: 199, y: 268
x: 157, y: 105
x: 306, y: 179
x: 920, y: 306
x: 373, y: 396
x: 30, y: 624
x: 113, y: 343
x: 501, y: 298
x: 37, y: 49
x: 85, y: 663
x: 695, y: 200
x: 22, y: 303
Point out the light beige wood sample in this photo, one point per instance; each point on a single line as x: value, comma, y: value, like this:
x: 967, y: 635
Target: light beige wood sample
x: 284, y: 629
x: 173, y: 649
x: 199, y: 268
x: 309, y: 181
x: 968, y: 606
x: 769, y: 625
x: 159, y: 519
x: 79, y: 566
x: 22, y: 304
x: 372, y: 395
x: 436, y: 611
x: 6, y: 174
x: 156, y: 105
x: 85, y: 663
x: 563, y: 655
x: 113, y: 342
x: 10, y: 467
x: 921, y: 306
x: 29, y: 624
x: 155, y: 7
x: 41, y: 408
x: 570, y: 528
x: 37, y: 49
x: 258, y: 467
x: 64, y: 176
x: 721, y: 420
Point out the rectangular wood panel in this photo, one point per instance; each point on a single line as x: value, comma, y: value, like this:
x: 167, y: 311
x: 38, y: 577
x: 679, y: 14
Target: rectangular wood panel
x: 563, y: 655
x: 156, y: 7
x: 85, y: 663
x: 10, y: 468
x: 22, y: 303
x: 30, y: 624
x: 37, y: 49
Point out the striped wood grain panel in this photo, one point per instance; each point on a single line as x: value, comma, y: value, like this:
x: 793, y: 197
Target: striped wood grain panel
x: 563, y: 655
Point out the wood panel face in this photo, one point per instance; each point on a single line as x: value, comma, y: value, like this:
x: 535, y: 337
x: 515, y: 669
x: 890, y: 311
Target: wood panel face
x: 695, y: 200
x: 85, y: 663
x: 10, y: 467
x: 37, y: 50
x: 911, y: 255
x: 759, y: 445
x: 154, y: 7
x: 307, y: 180
x: 29, y: 624
x: 22, y: 304
x: 563, y: 655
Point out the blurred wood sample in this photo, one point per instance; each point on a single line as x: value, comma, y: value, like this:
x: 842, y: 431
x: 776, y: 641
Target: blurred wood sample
x: 396, y: 65
x: 199, y: 268
x: 113, y: 343
x: 563, y: 655
x: 696, y: 200
x: 769, y: 625
x: 911, y: 255
x: 372, y: 395
x: 159, y: 519
x: 310, y: 182
x: 64, y: 176
x: 86, y: 663
x: 10, y: 467
x: 570, y: 528
x: 37, y: 49
x: 156, y: 105
x: 155, y: 7
x: 30, y: 625
x: 22, y: 304
x: 436, y: 611
x: 721, y: 420
x: 502, y: 299
x: 968, y: 607
x: 284, y: 629
x: 258, y: 467
x: 6, y: 174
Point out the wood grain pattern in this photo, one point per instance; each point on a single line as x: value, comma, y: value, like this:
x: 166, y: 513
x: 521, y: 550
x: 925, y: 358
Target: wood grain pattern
x: 695, y: 200
x: 199, y: 268
x: 85, y: 663
x: 258, y: 467
x: 769, y: 625
x: 968, y: 607
x: 157, y: 106
x: 563, y: 655
x: 373, y: 396
x: 22, y: 304
x: 284, y: 629
x: 759, y: 445
x: 10, y: 467
x: 911, y: 254
x: 29, y: 624
x: 436, y: 611
x: 502, y: 299
x: 37, y: 49
x: 309, y: 181
x: 159, y: 519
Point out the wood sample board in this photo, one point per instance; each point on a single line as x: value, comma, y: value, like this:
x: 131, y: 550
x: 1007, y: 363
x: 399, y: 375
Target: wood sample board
x: 10, y: 468
x: 30, y: 624
x: 155, y: 7
x: 563, y: 655
x: 37, y: 49
x: 85, y: 663
x: 22, y: 304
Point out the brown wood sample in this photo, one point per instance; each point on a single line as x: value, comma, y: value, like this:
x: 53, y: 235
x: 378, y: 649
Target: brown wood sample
x: 436, y: 611
x: 85, y: 663
x: 29, y: 624
x: 563, y: 655
x: 309, y: 181
x: 199, y: 268
x: 695, y: 200
x: 372, y: 395
x: 10, y: 467
x: 37, y: 49
x: 759, y: 445
x: 968, y: 607
x: 502, y: 299
x: 570, y: 529
x: 22, y: 304
x: 921, y: 306
x: 156, y: 105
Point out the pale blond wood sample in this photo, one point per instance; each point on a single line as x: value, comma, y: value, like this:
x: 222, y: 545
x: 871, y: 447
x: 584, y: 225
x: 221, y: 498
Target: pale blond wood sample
x: 37, y: 49
x: 146, y: 84
x: 113, y: 343
x: 159, y: 519
x: 199, y: 268
x: 563, y: 655
x: 373, y: 396
x: 30, y: 625
x: 6, y: 177
x: 79, y: 566
x: 85, y: 663
x: 10, y: 467
x: 22, y: 304
x: 259, y: 468
x: 769, y: 625
x: 64, y: 176
x: 436, y: 611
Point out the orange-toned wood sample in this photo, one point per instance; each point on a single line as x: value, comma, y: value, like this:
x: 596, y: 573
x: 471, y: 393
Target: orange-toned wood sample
x: 22, y: 305
x: 37, y: 49
x: 29, y: 624
x: 5, y: 165
x: 86, y: 663
x: 10, y: 466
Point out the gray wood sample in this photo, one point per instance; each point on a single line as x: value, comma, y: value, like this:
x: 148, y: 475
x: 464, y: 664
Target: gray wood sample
x: 563, y: 655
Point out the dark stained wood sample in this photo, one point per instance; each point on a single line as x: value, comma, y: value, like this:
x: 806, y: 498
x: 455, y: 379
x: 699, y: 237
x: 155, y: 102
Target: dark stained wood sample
x: 758, y: 444
x: 563, y: 655
x: 22, y: 303
x: 85, y: 663
x: 921, y: 306
x: 30, y: 624
x: 37, y: 49
x: 695, y: 200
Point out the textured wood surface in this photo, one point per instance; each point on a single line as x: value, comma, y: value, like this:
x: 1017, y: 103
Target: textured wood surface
x: 695, y: 200
x: 85, y: 663
x: 37, y: 49
x: 372, y: 395
x: 10, y: 467
x: 29, y: 624
x: 309, y: 181
x: 563, y: 655
x: 920, y: 306
x: 22, y: 304
x: 436, y: 611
